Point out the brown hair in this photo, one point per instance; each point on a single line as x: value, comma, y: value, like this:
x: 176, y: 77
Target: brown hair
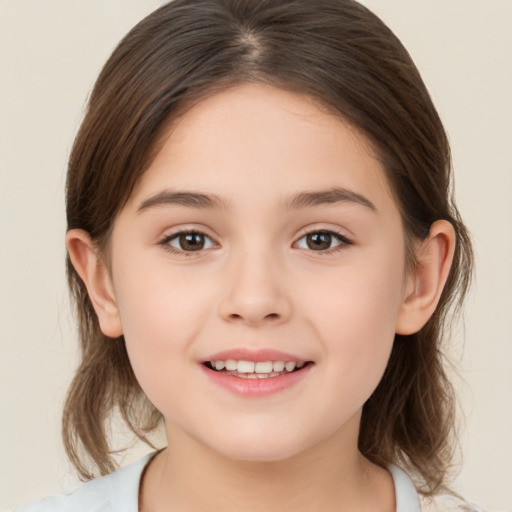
x: 337, y: 52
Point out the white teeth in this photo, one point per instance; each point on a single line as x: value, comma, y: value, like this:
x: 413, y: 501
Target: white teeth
x: 265, y: 367
x: 278, y: 366
x: 255, y: 370
x: 290, y: 366
x: 231, y: 365
x: 245, y: 367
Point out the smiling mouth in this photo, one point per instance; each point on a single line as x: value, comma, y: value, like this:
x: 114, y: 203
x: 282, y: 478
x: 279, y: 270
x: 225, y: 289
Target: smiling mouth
x: 256, y: 370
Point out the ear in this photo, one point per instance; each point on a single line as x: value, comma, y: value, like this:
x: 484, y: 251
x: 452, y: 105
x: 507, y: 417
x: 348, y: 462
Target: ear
x: 424, y: 286
x: 96, y: 277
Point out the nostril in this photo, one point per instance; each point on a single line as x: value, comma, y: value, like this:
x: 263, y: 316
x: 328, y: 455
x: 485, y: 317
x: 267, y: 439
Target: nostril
x: 270, y: 316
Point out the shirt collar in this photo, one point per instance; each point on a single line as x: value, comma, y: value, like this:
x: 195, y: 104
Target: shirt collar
x: 407, y: 499
x: 125, y: 485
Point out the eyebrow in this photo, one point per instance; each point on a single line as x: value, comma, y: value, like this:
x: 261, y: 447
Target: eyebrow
x: 190, y: 199
x: 329, y: 196
x: 300, y: 200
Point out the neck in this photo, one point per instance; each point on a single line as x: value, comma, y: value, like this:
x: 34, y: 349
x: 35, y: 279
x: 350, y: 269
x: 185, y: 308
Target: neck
x: 332, y: 476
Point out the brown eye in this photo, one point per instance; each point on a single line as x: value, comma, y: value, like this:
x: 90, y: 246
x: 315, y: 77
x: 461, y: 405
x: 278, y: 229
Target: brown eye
x: 189, y: 242
x: 319, y: 241
x: 323, y: 241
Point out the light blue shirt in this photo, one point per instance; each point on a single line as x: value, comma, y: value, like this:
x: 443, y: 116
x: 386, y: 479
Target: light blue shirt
x: 119, y: 492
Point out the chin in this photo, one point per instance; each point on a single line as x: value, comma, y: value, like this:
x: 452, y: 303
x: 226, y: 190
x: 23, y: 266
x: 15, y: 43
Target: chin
x: 262, y: 445
x: 258, y: 453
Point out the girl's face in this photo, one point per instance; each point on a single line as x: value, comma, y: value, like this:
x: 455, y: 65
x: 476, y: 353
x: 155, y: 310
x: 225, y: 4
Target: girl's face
x: 265, y: 232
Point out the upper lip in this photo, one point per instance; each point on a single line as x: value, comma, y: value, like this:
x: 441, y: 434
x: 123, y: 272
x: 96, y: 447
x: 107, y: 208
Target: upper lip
x: 255, y: 355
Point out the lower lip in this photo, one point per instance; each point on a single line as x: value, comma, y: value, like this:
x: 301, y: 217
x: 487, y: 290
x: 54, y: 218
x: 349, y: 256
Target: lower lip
x: 257, y: 387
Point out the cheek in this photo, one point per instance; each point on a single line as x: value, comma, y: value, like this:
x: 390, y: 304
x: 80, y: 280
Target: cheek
x: 162, y: 313
x: 354, y: 313
x: 158, y: 301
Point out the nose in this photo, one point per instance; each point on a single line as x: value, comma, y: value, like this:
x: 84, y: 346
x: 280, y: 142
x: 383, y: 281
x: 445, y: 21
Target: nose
x: 256, y: 292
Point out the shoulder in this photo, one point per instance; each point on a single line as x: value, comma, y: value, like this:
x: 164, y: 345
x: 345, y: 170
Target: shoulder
x: 117, y: 492
x: 408, y: 499
x: 447, y: 503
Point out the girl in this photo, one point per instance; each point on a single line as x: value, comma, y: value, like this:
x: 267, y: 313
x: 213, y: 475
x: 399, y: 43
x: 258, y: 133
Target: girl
x: 263, y: 251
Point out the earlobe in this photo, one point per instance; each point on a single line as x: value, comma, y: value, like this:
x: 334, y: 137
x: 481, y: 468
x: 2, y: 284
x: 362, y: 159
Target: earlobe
x: 96, y: 277
x: 423, y: 290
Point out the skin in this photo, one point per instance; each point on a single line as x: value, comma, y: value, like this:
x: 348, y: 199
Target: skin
x: 257, y: 284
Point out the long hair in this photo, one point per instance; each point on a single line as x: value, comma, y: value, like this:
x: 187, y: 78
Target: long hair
x: 342, y: 55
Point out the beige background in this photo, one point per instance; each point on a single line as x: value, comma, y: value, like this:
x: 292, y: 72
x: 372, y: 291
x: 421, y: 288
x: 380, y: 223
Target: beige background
x: 50, y: 54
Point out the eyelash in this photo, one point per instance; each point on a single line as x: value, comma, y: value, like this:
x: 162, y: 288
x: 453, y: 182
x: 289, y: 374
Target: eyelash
x: 165, y: 243
x: 342, y: 239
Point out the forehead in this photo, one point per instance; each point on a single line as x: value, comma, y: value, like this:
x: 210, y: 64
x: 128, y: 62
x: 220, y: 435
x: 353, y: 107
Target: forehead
x: 254, y: 140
